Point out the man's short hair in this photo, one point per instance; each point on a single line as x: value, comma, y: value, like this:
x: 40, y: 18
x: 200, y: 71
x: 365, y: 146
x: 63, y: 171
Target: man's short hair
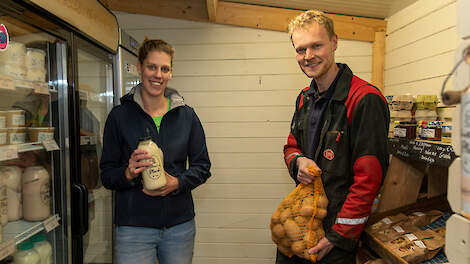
x: 309, y: 17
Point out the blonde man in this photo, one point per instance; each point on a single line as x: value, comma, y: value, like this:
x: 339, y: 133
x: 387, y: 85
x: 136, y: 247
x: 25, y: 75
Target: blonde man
x: 340, y: 124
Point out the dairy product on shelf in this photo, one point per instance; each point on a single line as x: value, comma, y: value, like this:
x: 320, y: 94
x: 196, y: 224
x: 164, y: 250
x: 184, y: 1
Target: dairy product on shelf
x: 39, y: 134
x: 35, y: 58
x: 13, y: 70
x: 3, y: 136
x: 14, y: 54
x: 43, y: 248
x: 15, y: 118
x: 3, y: 119
x: 12, y: 177
x: 3, y: 202
x: 16, y: 135
x: 36, y: 75
x: 36, y: 193
x: 26, y: 254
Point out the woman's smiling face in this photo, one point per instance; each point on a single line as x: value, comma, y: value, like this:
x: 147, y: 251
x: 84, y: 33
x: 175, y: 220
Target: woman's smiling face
x: 155, y: 73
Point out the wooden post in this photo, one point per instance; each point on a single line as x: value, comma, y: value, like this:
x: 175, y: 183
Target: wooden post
x: 378, y: 60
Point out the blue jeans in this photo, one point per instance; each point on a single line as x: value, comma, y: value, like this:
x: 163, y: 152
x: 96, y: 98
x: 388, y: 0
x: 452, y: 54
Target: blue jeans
x: 144, y: 245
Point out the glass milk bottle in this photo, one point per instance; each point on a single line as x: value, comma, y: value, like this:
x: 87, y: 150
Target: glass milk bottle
x: 26, y: 254
x: 153, y: 176
x: 36, y: 193
x: 43, y: 248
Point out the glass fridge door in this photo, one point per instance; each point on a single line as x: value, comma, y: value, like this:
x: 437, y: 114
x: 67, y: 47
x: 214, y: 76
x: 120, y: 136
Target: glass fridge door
x: 33, y: 132
x: 95, y: 88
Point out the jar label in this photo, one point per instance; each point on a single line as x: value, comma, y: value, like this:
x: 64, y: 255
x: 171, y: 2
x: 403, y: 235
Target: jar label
x: 46, y: 193
x: 17, y: 138
x: 428, y: 133
x: 18, y: 120
x: 43, y: 136
x: 399, y: 132
x: 3, y: 200
x: 3, y: 138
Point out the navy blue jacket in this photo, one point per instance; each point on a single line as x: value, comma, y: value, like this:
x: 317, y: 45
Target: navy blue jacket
x: 185, y: 156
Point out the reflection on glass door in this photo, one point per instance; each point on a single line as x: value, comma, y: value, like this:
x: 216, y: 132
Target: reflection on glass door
x: 96, y: 100
x: 32, y: 136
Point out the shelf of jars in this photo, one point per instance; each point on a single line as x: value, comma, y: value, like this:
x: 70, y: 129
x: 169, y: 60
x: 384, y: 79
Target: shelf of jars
x: 9, y: 152
x: 18, y: 231
x: 8, y: 83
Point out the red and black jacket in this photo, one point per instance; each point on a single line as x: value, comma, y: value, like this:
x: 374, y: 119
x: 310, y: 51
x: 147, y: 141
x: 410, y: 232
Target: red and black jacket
x: 352, y: 153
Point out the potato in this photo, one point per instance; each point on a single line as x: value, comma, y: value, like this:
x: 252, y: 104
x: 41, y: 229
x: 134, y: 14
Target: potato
x: 311, y: 238
x: 321, y: 213
x: 285, y: 214
x: 301, y: 221
x: 285, y: 242
x: 276, y: 217
x: 308, y: 201
x: 275, y: 239
x: 278, y: 231
x: 316, y: 223
x: 292, y: 230
x: 322, y: 202
x: 298, y: 247
x: 306, y: 211
x: 285, y: 250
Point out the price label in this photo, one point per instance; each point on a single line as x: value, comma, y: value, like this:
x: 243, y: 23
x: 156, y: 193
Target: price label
x: 41, y: 88
x: 50, y: 145
x: 7, y: 248
x: 50, y: 223
x: 411, y: 237
x: 420, y: 243
x: 7, y: 82
x: 399, y: 132
x: 399, y: 229
x: 8, y: 152
x: 387, y: 220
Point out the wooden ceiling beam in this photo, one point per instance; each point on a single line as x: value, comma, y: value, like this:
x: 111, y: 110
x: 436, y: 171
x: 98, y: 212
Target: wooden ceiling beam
x: 347, y: 27
x: 245, y: 15
x: 212, y: 9
x: 194, y: 10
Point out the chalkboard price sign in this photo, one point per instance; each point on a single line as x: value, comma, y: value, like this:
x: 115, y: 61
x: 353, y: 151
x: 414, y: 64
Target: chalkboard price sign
x: 431, y: 153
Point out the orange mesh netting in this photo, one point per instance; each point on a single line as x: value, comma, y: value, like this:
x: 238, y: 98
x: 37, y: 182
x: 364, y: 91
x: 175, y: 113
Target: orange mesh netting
x: 296, y: 225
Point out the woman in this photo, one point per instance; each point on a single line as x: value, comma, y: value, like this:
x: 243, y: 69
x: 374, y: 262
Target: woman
x: 154, y: 224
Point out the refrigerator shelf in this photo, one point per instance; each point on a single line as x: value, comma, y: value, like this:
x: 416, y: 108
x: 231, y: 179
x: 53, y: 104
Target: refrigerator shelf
x: 22, y: 230
x: 32, y: 146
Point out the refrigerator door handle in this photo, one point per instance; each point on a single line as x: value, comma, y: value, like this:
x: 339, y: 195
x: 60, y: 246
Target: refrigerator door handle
x: 80, y: 209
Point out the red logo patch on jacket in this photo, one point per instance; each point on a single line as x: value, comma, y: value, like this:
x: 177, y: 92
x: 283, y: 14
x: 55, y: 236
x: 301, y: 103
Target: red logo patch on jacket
x: 328, y: 154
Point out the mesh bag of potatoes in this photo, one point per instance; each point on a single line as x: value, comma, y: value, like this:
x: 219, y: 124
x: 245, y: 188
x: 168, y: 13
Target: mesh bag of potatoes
x: 296, y: 225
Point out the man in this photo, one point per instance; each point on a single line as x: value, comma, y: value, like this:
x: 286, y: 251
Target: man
x: 340, y: 125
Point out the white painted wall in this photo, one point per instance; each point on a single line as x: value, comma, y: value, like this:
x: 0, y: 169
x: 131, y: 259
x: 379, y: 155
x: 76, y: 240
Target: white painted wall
x: 242, y: 83
x: 420, y: 46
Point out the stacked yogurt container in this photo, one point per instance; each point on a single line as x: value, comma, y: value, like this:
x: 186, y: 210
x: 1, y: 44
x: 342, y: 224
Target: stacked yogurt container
x: 12, y: 61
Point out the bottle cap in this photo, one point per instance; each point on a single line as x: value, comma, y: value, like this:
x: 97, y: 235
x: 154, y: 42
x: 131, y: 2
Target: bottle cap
x: 145, y: 138
x: 25, y: 245
x: 38, y: 238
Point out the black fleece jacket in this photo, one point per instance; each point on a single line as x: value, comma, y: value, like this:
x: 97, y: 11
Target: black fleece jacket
x: 185, y: 156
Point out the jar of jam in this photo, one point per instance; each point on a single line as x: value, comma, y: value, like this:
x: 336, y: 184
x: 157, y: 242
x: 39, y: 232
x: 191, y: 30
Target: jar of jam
x: 405, y: 129
x: 432, y: 130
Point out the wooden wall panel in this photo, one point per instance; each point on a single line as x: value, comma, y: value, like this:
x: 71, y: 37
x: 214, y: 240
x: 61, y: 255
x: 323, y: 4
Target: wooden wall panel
x: 439, y: 43
x: 435, y: 66
x: 420, y: 47
x: 424, y: 27
x: 414, y: 12
x: 253, y: 176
